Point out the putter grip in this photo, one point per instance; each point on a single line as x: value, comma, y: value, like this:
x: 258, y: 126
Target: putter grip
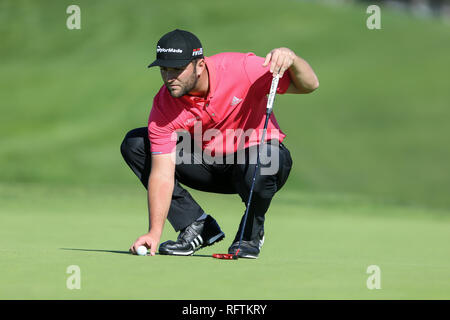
x: 273, y: 91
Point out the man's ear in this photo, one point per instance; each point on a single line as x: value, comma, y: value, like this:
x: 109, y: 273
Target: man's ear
x: 201, y: 65
x: 201, y: 62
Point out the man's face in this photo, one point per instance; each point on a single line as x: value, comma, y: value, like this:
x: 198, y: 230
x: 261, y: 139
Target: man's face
x: 180, y: 81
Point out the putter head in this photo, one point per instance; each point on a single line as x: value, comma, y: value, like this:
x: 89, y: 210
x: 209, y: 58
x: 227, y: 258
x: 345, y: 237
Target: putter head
x: 225, y: 256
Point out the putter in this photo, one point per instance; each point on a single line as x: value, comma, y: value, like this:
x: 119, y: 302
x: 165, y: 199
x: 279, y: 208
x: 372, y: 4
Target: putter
x: 273, y: 91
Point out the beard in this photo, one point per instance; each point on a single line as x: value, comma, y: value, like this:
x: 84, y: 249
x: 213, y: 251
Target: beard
x: 185, y: 87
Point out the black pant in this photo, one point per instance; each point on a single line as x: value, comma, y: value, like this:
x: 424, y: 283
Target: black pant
x: 218, y: 178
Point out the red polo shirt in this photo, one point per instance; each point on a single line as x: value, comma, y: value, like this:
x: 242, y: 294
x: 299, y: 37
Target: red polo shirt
x: 226, y: 119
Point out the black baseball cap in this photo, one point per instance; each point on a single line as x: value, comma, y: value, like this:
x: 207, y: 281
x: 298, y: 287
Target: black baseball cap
x: 176, y: 49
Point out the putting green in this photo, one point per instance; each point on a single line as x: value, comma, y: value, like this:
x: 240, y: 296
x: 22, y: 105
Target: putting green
x: 317, y: 247
x: 376, y: 126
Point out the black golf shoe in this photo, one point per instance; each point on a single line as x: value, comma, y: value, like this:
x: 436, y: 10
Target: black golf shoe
x: 249, y: 249
x: 197, y: 235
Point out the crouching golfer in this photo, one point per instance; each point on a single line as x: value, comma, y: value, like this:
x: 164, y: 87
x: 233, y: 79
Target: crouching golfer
x: 210, y: 113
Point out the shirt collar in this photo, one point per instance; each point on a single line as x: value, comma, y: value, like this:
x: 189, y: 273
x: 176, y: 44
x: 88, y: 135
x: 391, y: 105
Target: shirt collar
x: 211, y: 77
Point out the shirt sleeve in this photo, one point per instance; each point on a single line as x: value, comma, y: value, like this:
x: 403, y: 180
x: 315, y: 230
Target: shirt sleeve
x: 259, y: 75
x: 162, y: 135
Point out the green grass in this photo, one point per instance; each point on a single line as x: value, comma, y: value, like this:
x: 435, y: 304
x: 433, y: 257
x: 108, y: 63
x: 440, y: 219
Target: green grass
x: 317, y: 247
x: 369, y: 184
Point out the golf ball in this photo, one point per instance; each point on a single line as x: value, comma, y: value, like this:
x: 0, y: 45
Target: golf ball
x: 142, y: 251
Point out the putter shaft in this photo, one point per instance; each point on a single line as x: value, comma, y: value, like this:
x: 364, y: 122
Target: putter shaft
x: 270, y: 99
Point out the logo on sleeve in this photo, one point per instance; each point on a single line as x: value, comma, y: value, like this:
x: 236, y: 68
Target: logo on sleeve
x: 235, y: 101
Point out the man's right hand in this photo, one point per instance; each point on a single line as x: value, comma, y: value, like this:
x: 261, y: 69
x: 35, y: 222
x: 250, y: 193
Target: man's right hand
x: 148, y: 240
x: 160, y: 189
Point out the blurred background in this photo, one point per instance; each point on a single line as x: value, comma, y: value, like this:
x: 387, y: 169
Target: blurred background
x: 377, y: 126
x: 436, y: 8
